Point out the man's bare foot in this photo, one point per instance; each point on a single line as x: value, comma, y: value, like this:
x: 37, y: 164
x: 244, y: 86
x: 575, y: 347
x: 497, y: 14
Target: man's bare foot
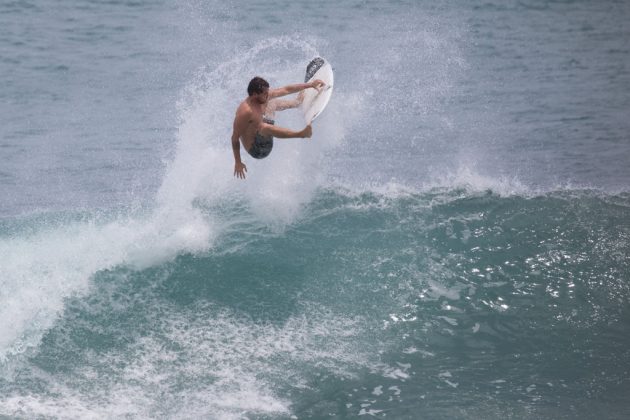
x: 307, y: 132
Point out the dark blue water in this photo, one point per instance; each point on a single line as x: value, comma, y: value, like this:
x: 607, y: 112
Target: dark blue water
x: 452, y: 243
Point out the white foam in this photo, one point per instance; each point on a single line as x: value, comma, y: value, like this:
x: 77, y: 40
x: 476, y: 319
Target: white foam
x: 468, y: 178
x: 38, y: 272
x: 395, y: 389
x: 392, y: 372
x: 451, y: 321
x: 438, y: 290
x: 229, y: 366
x: 370, y: 412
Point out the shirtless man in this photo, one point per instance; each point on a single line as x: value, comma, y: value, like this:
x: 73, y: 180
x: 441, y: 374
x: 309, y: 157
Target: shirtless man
x: 254, y: 125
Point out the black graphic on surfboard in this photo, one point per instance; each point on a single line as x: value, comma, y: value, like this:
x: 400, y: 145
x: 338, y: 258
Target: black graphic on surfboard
x: 312, y: 68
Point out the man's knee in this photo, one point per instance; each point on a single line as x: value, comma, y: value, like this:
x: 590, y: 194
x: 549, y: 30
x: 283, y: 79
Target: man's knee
x: 266, y: 129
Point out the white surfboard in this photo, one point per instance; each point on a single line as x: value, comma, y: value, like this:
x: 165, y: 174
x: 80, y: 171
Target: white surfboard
x: 314, y: 102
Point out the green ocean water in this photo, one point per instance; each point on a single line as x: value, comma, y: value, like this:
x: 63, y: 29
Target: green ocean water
x: 447, y: 303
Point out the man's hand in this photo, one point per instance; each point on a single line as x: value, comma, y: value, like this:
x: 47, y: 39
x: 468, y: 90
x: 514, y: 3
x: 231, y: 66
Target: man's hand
x: 239, y: 170
x: 307, y: 132
x: 317, y: 85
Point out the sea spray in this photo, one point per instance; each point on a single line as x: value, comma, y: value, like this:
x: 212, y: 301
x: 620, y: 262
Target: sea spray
x: 276, y: 188
x: 52, y: 265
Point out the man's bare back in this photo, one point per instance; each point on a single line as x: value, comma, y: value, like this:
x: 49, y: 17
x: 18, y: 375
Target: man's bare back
x: 253, y: 124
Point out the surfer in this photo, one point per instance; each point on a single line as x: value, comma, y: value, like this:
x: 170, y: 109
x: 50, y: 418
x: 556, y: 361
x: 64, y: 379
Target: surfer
x: 254, y: 124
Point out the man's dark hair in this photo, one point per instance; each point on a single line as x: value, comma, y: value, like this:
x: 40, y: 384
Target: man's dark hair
x: 257, y: 85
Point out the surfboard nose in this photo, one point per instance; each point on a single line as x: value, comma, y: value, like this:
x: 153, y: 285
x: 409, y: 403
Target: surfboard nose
x: 315, y: 100
x: 312, y: 67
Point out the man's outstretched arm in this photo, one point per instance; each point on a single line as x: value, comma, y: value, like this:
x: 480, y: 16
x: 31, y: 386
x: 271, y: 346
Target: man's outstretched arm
x: 289, y: 89
x: 282, y: 104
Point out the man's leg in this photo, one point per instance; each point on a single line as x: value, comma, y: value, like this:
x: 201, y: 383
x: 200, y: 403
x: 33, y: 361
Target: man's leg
x: 284, y: 133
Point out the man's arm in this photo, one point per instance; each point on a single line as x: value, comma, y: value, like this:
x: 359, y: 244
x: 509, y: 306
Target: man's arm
x: 239, y: 167
x: 289, y: 89
x: 282, y: 104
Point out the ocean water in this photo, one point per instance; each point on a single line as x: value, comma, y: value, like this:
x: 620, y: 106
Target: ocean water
x: 453, y: 242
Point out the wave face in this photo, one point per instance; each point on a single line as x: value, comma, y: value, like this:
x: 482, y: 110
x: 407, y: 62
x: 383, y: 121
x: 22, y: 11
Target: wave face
x: 399, y: 302
x: 451, y: 243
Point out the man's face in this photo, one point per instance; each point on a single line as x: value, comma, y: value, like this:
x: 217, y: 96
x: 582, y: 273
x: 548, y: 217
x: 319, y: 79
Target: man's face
x: 262, y: 98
